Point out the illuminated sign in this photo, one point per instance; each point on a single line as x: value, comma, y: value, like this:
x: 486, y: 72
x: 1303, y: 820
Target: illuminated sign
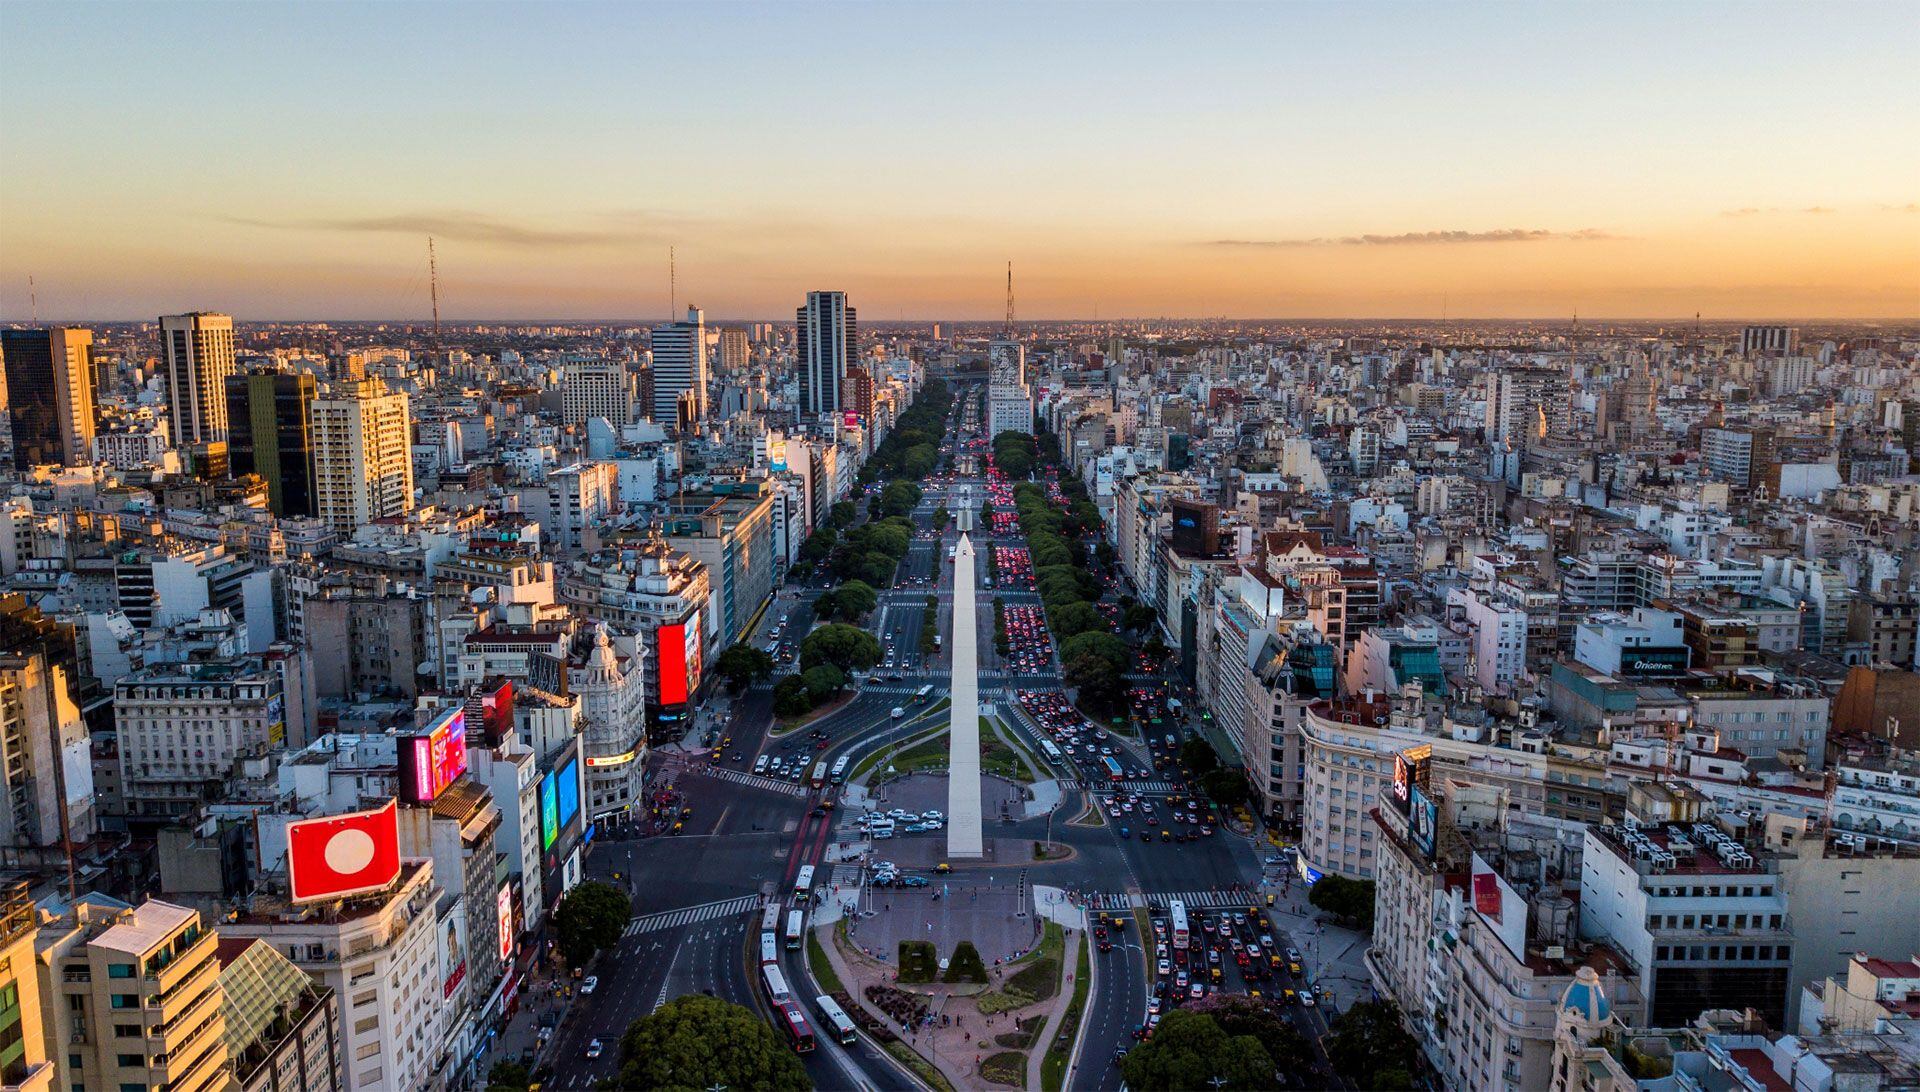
x: 549, y: 813
x: 453, y: 956
x: 613, y: 760
x: 431, y: 762
x: 568, y: 792
x: 1486, y: 894
x: 503, y: 907
x: 496, y: 713
x: 1424, y: 820
x: 671, y: 650
x: 341, y: 855
x: 1402, y: 783
x: 696, y: 659
x: 1307, y: 872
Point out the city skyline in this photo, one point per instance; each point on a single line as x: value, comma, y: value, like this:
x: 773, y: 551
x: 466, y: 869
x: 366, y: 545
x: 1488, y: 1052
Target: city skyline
x: 1282, y: 162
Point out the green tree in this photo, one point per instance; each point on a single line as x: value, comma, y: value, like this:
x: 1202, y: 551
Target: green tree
x: 1226, y: 787
x: 1076, y: 618
x: 508, y: 1077
x: 1103, y: 552
x: 819, y: 545
x: 1155, y: 649
x: 1191, y: 1051
x: 845, y: 647
x: 1138, y: 618
x: 1349, y: 900
x: 876, y: 569
x: 1238, y: 1014
x: 825, y: 605
x: 823, y: 682
x: 854, y: 600
x: 695, y: 1042
x: 791, y: 698
x: 986, y: 516
x: 742, y: 665
x: 842, y: 515
x: 941, y: 516
x: 1100, y: 687
x: 1104, y: 645
x: 590, y: 918
x: 1048, y: 549
x: 919, y: 460
x: 900, y: 497
x: 1197, y: 755
x: 1370, y: 1046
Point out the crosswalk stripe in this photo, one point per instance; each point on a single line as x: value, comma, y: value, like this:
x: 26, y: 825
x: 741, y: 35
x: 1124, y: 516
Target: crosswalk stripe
x: 690, y: 915
x: 754, y: 780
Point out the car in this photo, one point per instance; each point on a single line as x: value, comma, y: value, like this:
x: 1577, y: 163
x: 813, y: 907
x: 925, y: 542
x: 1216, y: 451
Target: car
x: 943, y: 867
x: 1197, y: 991
x: 1125, y: 833
x: 760, y: 764
x: 916, y: 828
x: 1146, y: 836
x: 900, y: 814
x: 1153, y: 1006
x: 1180, y: 979
x: 915, y: 881
x: 932, y: 816
x: 595, y: 1048
x: 1163, y: 967
x: 1166, y: 836
x: 590, y: 984
x: 1306, y: 999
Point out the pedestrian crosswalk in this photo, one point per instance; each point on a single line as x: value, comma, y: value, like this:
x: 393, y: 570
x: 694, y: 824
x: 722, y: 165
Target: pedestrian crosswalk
x: 692, y: 915
x: 1192, y: 900
x: 768, y: 784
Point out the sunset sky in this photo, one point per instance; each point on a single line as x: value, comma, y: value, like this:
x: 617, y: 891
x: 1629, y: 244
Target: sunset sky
x: 1626, y: 160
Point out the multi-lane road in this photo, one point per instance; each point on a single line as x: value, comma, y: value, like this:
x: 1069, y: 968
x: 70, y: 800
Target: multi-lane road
x: 697, y: 895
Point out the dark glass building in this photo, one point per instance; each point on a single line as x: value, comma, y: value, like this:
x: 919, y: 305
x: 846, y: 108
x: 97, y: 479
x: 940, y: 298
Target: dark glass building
x: 49, y: 395
x: 269, y: 433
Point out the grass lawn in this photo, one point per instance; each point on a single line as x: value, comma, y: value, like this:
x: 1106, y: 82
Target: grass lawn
x: 1053, y: 1068
x: 817, y: 963
x: 919, y: 1066
x: 1009, y: 1067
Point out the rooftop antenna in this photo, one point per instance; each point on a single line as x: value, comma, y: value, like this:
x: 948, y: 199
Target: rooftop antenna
x: 433, y: 283
x: 673, y: 287
x: 33, y: 299
x: 1009, y: 297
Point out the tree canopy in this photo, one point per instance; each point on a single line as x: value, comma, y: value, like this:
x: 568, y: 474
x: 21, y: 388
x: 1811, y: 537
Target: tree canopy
x: 695, y: 1042
x: 852, y: 600
x: 1226, y: 787
x: 1101, y: 688
x: 791, y: 697
x: 1076, y: 618
x: 590, y: 918
x: 1191, y: 1051
x: 1370, y: 1047
x: 823, y: 682
x: 742, y: 665
x: 1197, y: 755
x: 1349, y: 900
x: 848, y: 648
x: 1238, y: 1014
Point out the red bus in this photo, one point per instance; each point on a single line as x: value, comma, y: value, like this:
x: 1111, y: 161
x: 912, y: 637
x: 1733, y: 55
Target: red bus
x: 799, y: 1034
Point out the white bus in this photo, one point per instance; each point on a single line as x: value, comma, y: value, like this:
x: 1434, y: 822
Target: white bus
x: 796, y: 922
x: 838, y: 1025
x: 770, y: 917
x: 923, y: 693
x: 1177, y: 915
x: 820, y: 774
x: 1052, y: 752
x: 839, y: 775
x: 769, y: 949
x: 775, y: 983
x: 803, y: 885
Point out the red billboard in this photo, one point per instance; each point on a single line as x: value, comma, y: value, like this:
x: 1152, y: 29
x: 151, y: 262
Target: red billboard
x: 1486, y: 894
x: 671, y: 648
x: 496, y: 711
x: 432, y: 761
x: 343, y: 855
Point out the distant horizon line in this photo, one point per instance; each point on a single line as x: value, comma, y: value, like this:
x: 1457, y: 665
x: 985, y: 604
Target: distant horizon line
x: 1567, y: 320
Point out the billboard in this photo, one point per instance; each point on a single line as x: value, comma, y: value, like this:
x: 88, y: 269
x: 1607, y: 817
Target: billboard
x: 453, y: 949
x: 503, y: 913
x: 1654, y: 661
x: 431, y: 761
x: 1402, y: 795
x: 671, y: 649
x: 1423, y: 820
x: 1500, y: 906
x: 496, y: 712
x: 342, y: 855
x: 549, y: 812
x: 695, y: 656
x: 568, y: 792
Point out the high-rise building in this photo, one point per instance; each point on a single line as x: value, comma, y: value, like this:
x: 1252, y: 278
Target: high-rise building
x: 1755, y: 340
x: 139, y: 991
x: 362, y: 455
x: 828, y: 336
x: 197, y: 353
x: 23, y: 1019
x: 733, y: 351
x: 49, y: 394
x: 596, y: 388
x: 679, y: 367
x: 1522, y: 402
x: 269, y: 433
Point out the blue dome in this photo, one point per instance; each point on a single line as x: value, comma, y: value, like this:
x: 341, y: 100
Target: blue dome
x: 1584, y: 997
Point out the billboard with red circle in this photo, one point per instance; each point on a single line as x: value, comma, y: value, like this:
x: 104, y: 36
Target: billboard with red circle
x: 341, y: 855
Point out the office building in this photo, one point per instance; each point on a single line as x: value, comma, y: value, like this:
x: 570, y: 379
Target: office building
x: 183, y: 728
x: 732, y: 534
x: 595, y: 388
x: 270, y: 433
x: 1755, y: 340
x: 734, y: 351
x: 827, y: 342
x: 24, y: 1064
x: 135, y: 997
x: 363, y: 459
x: 49, y: 395
x: 1522, y: 403
x: 680, y: 370
x: 197, y: 357
x: 283, y: 1028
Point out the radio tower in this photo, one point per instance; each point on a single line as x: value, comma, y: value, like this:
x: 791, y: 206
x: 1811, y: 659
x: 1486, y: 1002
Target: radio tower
x: 673, y: 287
x: 433, y: 282
x: 1009, y: 297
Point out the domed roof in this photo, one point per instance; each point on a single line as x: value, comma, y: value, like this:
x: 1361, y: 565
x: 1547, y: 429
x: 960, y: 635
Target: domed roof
x: 1585, y: 999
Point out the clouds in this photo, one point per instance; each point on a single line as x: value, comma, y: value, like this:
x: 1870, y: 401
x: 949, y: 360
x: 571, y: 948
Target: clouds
x: 1810, y: 210
x: 475, y: 227
x: 1423, y: 238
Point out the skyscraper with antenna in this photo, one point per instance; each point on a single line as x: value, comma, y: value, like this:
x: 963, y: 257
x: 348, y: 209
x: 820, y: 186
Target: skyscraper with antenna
x: 1009, y: 330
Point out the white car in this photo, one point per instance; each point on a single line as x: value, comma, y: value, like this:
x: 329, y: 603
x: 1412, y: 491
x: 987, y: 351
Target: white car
x: 932, y: 816
x: 591, y: 984
x: 594, y: 1049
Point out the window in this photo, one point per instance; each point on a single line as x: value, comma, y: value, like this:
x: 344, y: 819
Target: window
x: 130, y: 1059
x: 126, y: 1031
x: 119, y: 970
x: 126, y: 1000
